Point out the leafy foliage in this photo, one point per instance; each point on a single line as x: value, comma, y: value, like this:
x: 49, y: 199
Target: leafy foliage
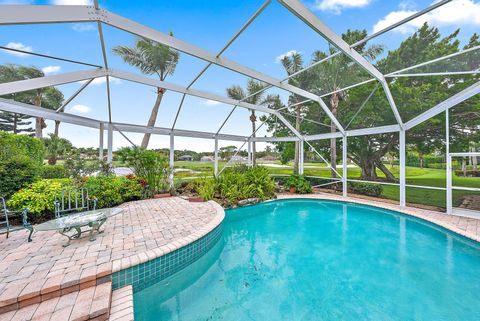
x: 149, y: 165
x: 56, y: 147
x: 300, y: 183
x: 53, y: 171
x: 111, y: 190
x: 15, y: 145
x: 366, y: 188
x: 39, y: 196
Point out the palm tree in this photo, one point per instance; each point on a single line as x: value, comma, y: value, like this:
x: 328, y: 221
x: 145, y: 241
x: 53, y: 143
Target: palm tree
x: 293, y: 63
x: 336, y: 73
x: 49, y: 97
x: 238, y: 93
x: 151, y: 58
x: 55, y: 147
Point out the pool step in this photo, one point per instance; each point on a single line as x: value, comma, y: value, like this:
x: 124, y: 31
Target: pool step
x: 121, y: 308
x: 92, y: 303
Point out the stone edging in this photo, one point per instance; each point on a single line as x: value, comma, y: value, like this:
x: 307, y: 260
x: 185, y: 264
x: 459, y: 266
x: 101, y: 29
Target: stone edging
x: 125, y: 263
x: 427, y: 215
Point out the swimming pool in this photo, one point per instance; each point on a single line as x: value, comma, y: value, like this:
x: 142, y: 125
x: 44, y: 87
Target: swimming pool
x: 322, y: 260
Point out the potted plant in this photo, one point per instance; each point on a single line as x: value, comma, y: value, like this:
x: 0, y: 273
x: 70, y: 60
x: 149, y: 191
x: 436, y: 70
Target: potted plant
x: 292, y: 183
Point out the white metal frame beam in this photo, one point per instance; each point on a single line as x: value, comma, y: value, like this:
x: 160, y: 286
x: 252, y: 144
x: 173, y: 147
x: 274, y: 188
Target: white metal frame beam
x: 54, y: 80
x: 304, y: 14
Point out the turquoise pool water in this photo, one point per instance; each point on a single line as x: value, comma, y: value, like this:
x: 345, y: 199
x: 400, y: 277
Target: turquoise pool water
x: 323, y: 260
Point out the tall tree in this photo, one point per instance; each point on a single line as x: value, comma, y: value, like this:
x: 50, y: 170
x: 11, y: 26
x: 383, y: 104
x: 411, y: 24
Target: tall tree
x: 56, y: 147
x: 237, y: 92
x: 293, y: 63
x: 151, y: 58
x: 48, y: 97
x: 336, y: 73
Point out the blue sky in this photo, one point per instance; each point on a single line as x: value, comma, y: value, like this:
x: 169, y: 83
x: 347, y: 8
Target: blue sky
x: 208, y: 24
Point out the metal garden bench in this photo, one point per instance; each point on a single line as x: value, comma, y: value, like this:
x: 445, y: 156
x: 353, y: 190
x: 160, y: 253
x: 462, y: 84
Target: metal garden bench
x: 5, y: 221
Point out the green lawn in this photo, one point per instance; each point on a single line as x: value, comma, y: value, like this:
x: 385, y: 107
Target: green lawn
x: 415, y: 176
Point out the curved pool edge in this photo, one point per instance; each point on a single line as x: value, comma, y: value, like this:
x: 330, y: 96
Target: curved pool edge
x: 463, y: 226
x: 159, y: 263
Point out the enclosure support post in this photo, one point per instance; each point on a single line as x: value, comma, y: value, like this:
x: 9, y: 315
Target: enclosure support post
x: 215, y: 158
x: 449, y: 163
x: 402, y: 151
x: 100, y: 145
x: 172, y: 158
x: 344, y: 166
x: 110, y: 143
x: 249, y: 154
x: 301, y: 155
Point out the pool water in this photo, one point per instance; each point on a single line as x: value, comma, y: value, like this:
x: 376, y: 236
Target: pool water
x: 323, y: 260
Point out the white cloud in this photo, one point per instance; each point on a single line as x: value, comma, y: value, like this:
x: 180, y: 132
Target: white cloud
x: 81, y: 109
x: 72, y: 2
x: 459, y: 12
x: 336, y: 6
x: 51, y: 69
x: 19, y: 46
x: 102, y: 80
x: 83, y: 27
x: 286, y: 54
x: 212, y: 102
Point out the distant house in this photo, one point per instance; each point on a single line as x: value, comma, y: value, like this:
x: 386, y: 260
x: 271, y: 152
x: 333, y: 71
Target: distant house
x: 238, y: 159
x: 187, y: 158
x: 207, y: 159
x: 267, y: 158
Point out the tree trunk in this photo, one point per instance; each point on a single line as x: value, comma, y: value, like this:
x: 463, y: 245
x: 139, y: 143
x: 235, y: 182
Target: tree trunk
x: 253, y: 119
x: 57, y: 125
x: 420, y: 157
x: 153, y: 116
x: 368, y: 169
x: 296, y: 169
x: 333, y: 141
x: 38, y: 120
x: 464, y: 167
x: 15, y: 123
x: 384, y: 169
x: 52, y: 160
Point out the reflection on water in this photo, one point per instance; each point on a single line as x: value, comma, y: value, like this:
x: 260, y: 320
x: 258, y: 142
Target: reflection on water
x: 323, y: 260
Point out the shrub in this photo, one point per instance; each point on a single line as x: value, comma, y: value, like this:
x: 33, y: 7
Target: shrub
x: 149, y: 165
x: 240, y: 183
x: 53, y: 171
x: 16, y: 173
x: 109, y: 191
x: 301, y: 184
x: 366, y: 188
x: 112, y: 190
x: 12, y: 146
x: 39, y: 196
x: 206, y: 188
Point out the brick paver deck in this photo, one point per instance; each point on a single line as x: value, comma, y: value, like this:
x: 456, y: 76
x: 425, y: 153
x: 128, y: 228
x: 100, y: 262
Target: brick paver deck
x: 43, y: 269
x: 468, y: 227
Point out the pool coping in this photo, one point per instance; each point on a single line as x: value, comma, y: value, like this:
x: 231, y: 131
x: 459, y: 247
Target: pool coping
x: 437, y: 218
x: 139, y: 258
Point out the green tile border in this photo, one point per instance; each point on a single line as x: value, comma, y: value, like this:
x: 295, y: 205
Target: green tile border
x: 145, y: 274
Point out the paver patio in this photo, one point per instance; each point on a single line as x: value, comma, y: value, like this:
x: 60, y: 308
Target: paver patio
x: 44, y: 269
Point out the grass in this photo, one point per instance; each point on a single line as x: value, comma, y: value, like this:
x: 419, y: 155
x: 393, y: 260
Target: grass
x: 415, y: 176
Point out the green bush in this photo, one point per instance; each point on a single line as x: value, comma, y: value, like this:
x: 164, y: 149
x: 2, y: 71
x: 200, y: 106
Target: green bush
x: 12, y: 146
x: 53, y: 171
x: 366, y: 189
x: 109, y: 191
x: 300, y: 183
x: 206, y: 188
x: 149, y: 165
x: 39, y: 196
x: 15, y: 173
x: 112, y: 190
x: 240, y: 183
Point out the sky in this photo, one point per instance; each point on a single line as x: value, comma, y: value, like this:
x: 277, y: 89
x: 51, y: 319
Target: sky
x: 209, y: 25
